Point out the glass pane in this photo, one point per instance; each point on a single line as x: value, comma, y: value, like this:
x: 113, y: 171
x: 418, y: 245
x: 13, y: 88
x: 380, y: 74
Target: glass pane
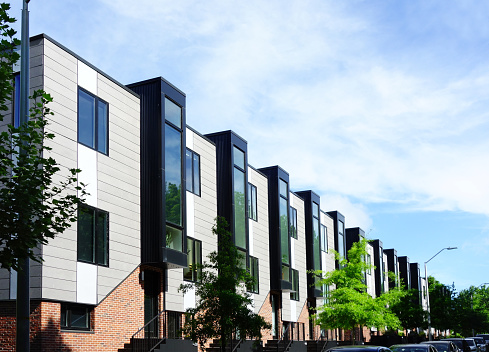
x: 17, y: 101
x: 239, y: 158
x: 102, y: 252
x: 173, y: 113
x: 285, y: 273
x: 242, y: 259
x: 79, y: 318
x: 315, y: 210
x: 196, y: 174
x: 86, y: 119
x: 316, y: 245
x: 239, y: 208
x: 173, y: 175
x: 187, y: 272
x: 188, y: 169
x: 254, y: 205
x: 85, y: 231
x: 324, y: 238
x: 341, y: 245
x: 341, y: 227
x: 283, y: 189
x: 174, y: 238
x: 102, y: 121
x: 293, y: 222
x: 284, y: 230
x: 198, y: 260
x: 64, y: 316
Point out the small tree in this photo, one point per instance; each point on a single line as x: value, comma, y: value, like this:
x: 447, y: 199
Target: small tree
x: 36, y: 202
x: 223, y: 305
x: 348, y: 305
x: 410, y: 312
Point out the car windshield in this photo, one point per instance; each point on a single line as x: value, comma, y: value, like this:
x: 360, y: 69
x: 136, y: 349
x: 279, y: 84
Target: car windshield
x: 408, y: 349
x: 470, y: 342
x: 441, y: 347
x: 459, y: 344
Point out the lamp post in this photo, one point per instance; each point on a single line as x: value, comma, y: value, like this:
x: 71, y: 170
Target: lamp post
x: 23, y: 297
x: 430, y: 337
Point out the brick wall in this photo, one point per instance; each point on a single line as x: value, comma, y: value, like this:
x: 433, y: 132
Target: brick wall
x: 113, y: 322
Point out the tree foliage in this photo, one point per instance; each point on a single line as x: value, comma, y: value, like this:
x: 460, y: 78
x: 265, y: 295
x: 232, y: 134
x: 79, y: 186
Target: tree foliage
x: 223, y: 305
x: 471, y: 311
x: 36, y: 201
x: 410, y: 312
x: 441, y: 304
x: 349, y: 305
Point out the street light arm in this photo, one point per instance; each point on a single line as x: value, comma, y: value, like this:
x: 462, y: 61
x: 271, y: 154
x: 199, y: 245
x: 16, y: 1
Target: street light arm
x: 441, y: 250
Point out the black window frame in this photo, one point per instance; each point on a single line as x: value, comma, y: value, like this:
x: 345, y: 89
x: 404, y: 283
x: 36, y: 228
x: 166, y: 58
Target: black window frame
x: 294, y: 279
x: 95, y: 236
x: 191, y: 250
x: 254, y: 272
x: 293, y: 222
x: 195, y: 185
x: 96, y: 122
x: 323, y: 238
x: 66, y: 311
x: 252, y: 202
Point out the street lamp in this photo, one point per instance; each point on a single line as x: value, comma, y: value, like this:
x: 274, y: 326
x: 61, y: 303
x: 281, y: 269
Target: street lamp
x: 430, y: 337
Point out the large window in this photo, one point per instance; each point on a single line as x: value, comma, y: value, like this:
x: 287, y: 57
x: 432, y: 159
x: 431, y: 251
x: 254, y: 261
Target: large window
x: 239, y: 198
x: 316, y: 240
x: 293, y: 222
x: 252, y: 202
x: 192, y: 162
x: 294, y: 295
x: 284, y: 221
x: 254, y: 273
x: 172, y: 152
x: 93, y: 122
x: 75, y: 317
x: 93, y: 235
x: 194, y: 259
x: 341, y: 238
x: 324, y: 238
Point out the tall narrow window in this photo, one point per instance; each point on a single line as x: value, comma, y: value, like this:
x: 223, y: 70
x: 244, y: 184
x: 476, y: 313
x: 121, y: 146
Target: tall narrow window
x: 239, y: 198
x: 324, y: 238
x: 293, y: 222
x: 294, y: 295
x: 93, y: 235
x: 369, y: 264
x: 192, y: 162
x: 316, y: 234
x: 16, y: 100
x: 252, y: 202
x: 254, y: 273
x: 194, y: 259
x: 284, y: 228
x: 93, y: 121
x: 172, y: 184
x: 341, y: 238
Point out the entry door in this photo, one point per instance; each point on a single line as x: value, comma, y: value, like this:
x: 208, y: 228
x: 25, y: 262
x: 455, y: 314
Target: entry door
x: 151, y: 292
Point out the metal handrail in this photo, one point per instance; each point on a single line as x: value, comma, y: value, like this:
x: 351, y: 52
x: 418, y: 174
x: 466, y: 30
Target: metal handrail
x: 282, y: 339
x: 237, y: 345
x: 321, y: 338
x: 148, y: 343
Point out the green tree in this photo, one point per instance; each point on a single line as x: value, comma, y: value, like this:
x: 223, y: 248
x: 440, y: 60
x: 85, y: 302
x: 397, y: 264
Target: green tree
x: 410, y: 313
x: 470, y: 313
x: 37, y: 198
x: 348, y: 305
x: 441, y: 305
x: 223, y: 305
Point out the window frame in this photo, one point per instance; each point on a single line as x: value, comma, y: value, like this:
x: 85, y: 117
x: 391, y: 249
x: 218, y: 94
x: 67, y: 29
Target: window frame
x: 95, y: 235
x: 96, y: 121
x: 191, y: 177
x: 196, y: 273
x: 252, y: 202
x: 68, y: 308
x: 293, y: 222
x: 294, y: 278
x: 256, y: 287
x: 323, y: 238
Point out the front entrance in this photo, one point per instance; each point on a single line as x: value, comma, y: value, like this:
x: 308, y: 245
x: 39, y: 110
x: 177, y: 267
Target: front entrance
x: 152, y: 287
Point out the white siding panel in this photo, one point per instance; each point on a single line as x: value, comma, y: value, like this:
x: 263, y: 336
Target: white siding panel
x: 87, y: 78
x: 86, y: 283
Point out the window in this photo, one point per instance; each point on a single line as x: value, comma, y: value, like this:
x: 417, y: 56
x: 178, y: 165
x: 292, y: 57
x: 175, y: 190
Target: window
x: 341, y: 238
x: 252, y: 204
x: 93, y: 235
x: 293, y: 222
x: 294, y: 295
x: 194, y: 258
x: 93, y: 124
x: 240, y: 238
x: 316, y: 236
x: 192, y: 161
x: 369, y: 264
x: 324, y: 238
x: 284, y: 223
x: 16, y: 100
x: 254, y: 273
x: 75, y: 316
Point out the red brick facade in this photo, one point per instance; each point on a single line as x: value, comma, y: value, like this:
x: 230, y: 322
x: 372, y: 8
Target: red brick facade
x: 113, y: 322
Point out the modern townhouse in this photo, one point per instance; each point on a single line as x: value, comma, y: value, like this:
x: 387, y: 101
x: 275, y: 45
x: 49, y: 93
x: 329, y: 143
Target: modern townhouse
x: 393, y: 267
x: 404, y: 271
x: 155, y: 187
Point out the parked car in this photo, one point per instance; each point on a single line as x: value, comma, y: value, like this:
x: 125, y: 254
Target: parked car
x: 359, y: 348
x: 472, y: 345
x: 460, y: 343
x: 443, y: 346
x: 485, y: 337
x: 480, y: 342
x: 412, y: 347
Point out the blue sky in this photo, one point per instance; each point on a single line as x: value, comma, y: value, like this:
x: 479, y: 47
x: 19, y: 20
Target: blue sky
x: 380, y: 107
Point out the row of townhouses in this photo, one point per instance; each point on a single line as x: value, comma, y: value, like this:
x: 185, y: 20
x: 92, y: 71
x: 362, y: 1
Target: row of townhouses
x: 155, y: 188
